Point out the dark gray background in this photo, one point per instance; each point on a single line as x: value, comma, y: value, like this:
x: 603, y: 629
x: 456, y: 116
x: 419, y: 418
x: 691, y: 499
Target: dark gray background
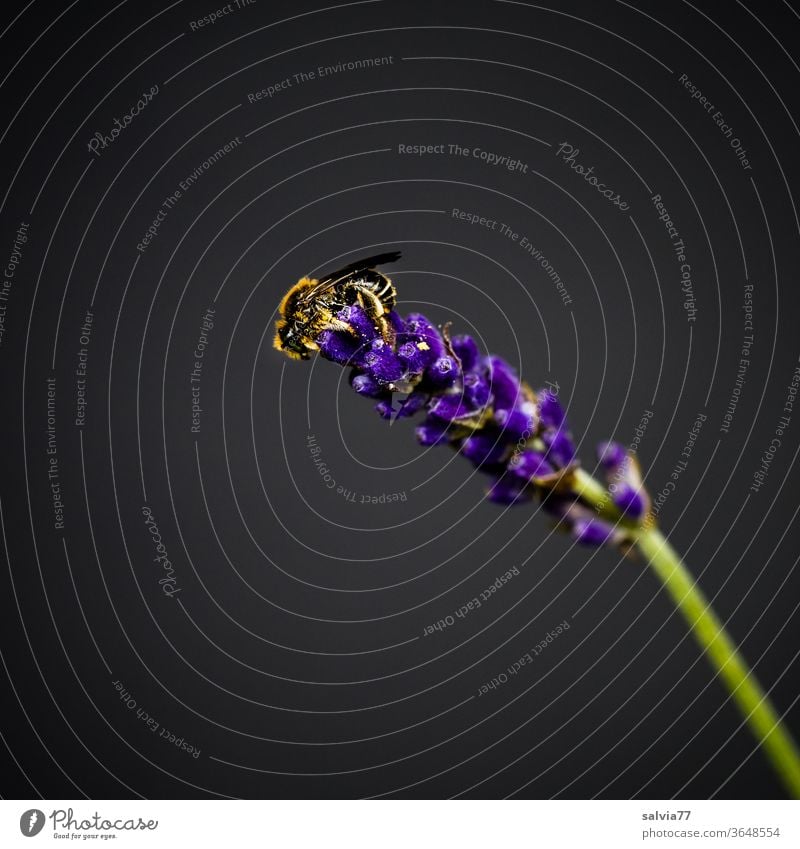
x: 294, y: 655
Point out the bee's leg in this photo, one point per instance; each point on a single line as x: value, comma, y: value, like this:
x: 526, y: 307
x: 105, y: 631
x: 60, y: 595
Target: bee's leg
x: 374, y: 308
x: 326, y: 319
x: 338, y: 324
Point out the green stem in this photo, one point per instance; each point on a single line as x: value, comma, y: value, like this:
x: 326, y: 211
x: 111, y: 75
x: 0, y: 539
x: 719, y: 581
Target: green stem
x: 714, y: 640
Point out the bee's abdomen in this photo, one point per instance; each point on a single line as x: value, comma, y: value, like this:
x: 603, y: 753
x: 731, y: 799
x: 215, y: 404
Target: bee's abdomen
x: 378, y: 285
x: 385, y: 291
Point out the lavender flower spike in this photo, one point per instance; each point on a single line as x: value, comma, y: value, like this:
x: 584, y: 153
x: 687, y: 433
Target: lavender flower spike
x: 479, y: 406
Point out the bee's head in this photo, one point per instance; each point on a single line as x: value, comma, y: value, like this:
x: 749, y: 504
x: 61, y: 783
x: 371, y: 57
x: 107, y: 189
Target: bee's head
x: 289, y: 340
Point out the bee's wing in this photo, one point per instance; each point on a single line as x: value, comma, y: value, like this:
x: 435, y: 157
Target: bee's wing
x: 330, y: 280
x: 366, y: 264
x: 313, y: 292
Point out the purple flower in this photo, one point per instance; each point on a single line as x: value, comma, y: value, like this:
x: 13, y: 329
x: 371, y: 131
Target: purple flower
x: 384, y: 408
x: 509, y: 490
x: 467, y: 351
x: 560, y: 449
x: 581, y: 522
x: 340, y: 346
x: 413, y: 403
x: 414, y: 356
x: 530, y: 465
x: 506, y: 388
x: 624, y: 480
x: 451, y: 407
x: 630, y: 501
x: 479, y: 406
x: 382, y: 364
x: 418, y: 329
x: 432, y: 431
x: 477, y: 390
x: 485, y: 448
x: 592, y: 531
x: 518, y: 423
x: 443, y: 372
x: 358, y: 321
x: 550, y: 409
x: 610, y: 455
x: 365, y: 384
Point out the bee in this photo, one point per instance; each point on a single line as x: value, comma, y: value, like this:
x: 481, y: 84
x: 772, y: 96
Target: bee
x: 310, y: 306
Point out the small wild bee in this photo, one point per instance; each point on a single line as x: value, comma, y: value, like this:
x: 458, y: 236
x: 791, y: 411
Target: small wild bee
x: 310, y: 306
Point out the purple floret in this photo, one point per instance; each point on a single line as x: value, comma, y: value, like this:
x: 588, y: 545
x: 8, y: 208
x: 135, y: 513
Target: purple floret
x: 530, y: 464
x: 519, y: 423
x: 509, y: 490
x: 506, y: 387
x: 450, y: 407
x: 397, y: 323
x: 560, y: 449
x: 419, y: 329
x: 413, y: 357
x: 477, y: 390
x: 484, y: 449
x: 610, y: 455
x: 359, y: 321
x: 384, y: 408
x: 365, y: 384
x: 413, y: 403
x: 580, y: 522
x: 341, y: 347
x: 432, y: 432
x: 466, y: 349
x: 629, y: 501
x: 550, y: 409
x: 594, y: 532
x: 442, y: 373
x: 382, y: 363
